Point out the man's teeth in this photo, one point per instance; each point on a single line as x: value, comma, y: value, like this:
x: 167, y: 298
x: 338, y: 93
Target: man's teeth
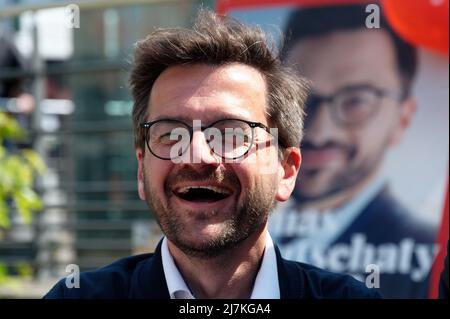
x: 184, y: 190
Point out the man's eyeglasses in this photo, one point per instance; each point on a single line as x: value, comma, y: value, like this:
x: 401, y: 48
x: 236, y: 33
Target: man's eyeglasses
x: 351, y: 106
x: 168, y: 139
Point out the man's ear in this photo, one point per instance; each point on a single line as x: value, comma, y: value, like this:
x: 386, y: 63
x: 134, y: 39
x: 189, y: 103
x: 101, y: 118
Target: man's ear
x: 140, y: 173
x: 407, y: 111
x: 290, y: 166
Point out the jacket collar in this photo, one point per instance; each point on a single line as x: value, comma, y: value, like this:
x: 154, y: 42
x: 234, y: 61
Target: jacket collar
x: 290, y: 278
x: 148, y: 281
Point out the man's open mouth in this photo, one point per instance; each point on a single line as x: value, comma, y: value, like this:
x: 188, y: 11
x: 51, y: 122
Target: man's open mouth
x: 203, y: 194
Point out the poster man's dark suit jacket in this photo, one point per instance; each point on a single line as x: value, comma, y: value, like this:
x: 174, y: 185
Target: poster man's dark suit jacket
x: 386, y: 221
x: 142, y: 277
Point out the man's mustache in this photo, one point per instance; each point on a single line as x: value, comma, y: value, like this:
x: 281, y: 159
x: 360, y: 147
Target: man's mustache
x: 208, y: 174
x: 350, y: 150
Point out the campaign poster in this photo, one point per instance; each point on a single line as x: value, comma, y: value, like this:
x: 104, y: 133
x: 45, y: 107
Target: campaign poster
x: 370, y: 194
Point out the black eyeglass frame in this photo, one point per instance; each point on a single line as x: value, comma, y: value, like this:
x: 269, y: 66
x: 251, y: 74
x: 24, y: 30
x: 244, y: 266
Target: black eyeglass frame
x: 253, y: 125
x: 316, y: 99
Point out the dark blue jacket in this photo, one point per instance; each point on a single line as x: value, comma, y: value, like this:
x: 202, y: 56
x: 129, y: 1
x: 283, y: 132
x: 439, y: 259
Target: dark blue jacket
x: 142, y: 277
x: 385, y: 221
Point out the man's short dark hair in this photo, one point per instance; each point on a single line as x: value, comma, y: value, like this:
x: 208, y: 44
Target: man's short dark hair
x: 219, y: 40
x: 312, y: 22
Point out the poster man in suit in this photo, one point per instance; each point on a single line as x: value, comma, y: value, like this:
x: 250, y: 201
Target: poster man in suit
x: 345, y: 217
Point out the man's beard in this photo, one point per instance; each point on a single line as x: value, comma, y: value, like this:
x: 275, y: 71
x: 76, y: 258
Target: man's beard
x: 246, y: 217
x: 356, y: 172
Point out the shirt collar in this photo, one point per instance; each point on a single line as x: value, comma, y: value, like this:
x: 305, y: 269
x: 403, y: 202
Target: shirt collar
x: 175, y: 282
x: 329, y: 225
x: 266, y: 284
x: 342, y: 217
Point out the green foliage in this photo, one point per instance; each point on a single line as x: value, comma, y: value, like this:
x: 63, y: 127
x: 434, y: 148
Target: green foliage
x: 3, y: 274
x: 14, y: 285
x: 17, y: 172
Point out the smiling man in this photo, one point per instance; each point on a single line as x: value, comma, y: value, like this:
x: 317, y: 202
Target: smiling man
x: 219, y: 97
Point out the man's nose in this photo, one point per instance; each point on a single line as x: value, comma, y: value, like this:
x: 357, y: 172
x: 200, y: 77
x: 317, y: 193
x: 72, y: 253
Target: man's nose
x: 201, y: 151
x: 320, y: 126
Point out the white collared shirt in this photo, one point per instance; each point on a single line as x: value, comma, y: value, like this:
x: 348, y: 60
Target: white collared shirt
x: 266, y: 284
